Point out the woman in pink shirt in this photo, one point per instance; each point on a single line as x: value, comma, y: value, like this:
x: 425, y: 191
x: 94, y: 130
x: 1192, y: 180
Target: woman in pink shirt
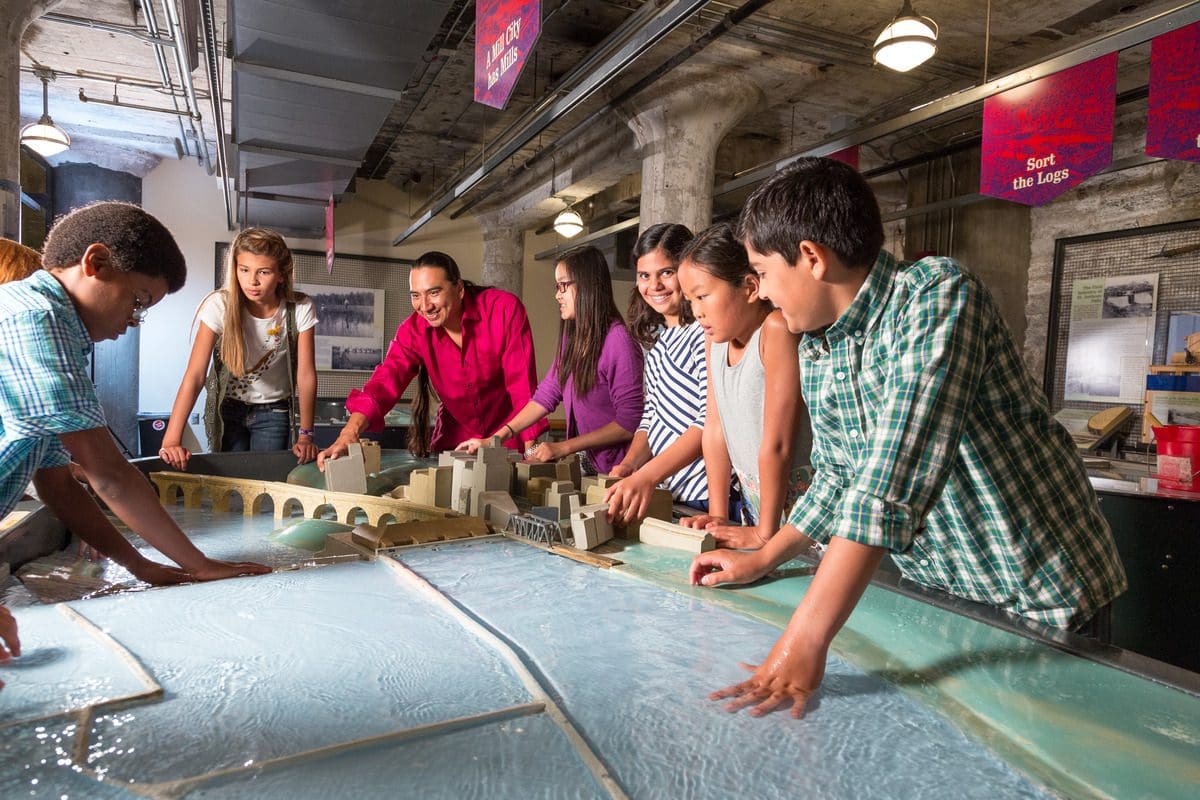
x: 472, y: 343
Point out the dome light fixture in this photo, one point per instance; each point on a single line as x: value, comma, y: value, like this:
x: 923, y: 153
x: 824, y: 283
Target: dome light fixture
x: 44, y: 137
x: 908, y: 40
x: 568, y: 223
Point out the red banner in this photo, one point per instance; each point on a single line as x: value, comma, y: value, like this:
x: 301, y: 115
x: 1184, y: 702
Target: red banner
x: 1048, y: 136
x: 505, y: 32
x: 1173, y: 125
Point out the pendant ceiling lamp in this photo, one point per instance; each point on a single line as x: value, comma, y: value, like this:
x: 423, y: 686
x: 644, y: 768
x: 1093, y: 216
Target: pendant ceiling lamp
x: 44, y: 137
x: 908, y: 40
x: 568, y: 223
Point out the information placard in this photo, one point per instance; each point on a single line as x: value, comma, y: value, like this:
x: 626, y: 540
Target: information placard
x: 505, y: 33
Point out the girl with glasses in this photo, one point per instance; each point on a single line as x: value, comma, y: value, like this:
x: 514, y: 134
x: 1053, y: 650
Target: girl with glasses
x: 596, y: 374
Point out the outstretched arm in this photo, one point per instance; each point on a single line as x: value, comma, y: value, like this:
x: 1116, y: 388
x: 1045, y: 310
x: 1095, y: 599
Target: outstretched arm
x: 123, y: 488
x: 59, y: 490
x: 306, y: 393
x: 173, y: 452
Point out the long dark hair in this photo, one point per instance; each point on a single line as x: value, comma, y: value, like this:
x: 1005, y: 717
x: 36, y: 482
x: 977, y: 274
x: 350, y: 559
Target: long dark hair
x: 419, y: 432
x: 581, y: 339
x: 644, y: 322
x: 718, y: 251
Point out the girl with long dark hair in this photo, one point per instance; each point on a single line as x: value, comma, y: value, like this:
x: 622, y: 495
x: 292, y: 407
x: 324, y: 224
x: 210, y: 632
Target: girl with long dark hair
x: 597, y: 371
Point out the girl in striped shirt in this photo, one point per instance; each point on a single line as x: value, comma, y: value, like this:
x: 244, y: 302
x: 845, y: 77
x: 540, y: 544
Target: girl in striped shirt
x: 666, y: 447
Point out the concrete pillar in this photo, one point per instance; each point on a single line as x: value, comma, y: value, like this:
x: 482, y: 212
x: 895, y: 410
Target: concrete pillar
x: 15, y: 16
x: 679, y: 123
x: 503, y: 254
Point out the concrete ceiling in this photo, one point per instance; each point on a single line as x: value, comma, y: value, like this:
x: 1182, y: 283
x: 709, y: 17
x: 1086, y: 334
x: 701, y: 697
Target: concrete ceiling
x: 316, y: 93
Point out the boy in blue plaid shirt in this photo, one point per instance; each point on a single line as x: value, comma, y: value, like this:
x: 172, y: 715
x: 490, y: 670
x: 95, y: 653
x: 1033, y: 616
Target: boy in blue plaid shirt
x: 105, y: 265
x: 931, y: 441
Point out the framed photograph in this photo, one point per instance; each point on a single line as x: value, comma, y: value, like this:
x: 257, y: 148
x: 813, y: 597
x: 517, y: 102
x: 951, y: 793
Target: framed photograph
x: 349, y: 332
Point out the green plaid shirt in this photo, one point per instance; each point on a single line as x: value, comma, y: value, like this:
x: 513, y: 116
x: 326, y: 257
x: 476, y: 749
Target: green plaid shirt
x: 931, y: 439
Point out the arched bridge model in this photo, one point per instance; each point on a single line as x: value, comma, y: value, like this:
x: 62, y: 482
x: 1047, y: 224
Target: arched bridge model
x: 286, y: 498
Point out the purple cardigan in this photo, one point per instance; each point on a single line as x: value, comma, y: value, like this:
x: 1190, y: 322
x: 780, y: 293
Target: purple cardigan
x: 616, y: 395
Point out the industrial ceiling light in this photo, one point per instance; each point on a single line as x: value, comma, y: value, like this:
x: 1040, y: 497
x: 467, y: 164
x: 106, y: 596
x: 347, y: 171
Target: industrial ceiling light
x: 568, y: 223
x: 908, y: 40
x: 44, y: 137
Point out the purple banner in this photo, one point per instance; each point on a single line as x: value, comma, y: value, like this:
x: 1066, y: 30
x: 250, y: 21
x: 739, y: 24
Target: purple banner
x: 1048, y: 136
x: 505, y: 32
x: 1173, y: 125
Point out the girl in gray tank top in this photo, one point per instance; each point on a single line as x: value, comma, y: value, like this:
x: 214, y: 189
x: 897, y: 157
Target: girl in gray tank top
x: 756, y: 422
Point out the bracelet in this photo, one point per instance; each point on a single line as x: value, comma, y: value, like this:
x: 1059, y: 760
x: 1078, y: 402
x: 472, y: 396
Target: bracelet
x: 511, y: 431
x: 309, y: 432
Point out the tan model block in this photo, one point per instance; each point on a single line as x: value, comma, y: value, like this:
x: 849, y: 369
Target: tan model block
x: 532, y: 469
x: 568, y: 470
x: 419, y: 532
x: 372, y: 457
x: 558, y: 496
x: 602, y: 481
x: 661, y: 507
x: 496, y: 508
x: 589, y: 526
x: 347, y: 473
x: 536, y: 490
x: 668, y: 534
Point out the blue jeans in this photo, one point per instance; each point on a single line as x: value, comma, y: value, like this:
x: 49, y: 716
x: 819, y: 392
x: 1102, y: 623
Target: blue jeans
x: 250, y: 426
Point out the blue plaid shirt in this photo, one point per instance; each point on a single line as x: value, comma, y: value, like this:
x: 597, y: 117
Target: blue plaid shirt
x: 930, y: 438
x: 47, y: 389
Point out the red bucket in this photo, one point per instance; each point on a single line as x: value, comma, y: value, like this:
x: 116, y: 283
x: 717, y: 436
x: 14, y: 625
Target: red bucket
x: 1180, y: 441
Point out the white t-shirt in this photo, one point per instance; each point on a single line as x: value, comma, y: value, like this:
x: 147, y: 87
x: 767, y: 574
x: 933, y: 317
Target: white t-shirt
x: 266, y: 378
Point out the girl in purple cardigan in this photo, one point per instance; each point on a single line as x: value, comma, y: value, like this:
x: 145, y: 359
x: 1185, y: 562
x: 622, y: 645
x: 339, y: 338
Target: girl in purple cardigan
x: 596, y: 374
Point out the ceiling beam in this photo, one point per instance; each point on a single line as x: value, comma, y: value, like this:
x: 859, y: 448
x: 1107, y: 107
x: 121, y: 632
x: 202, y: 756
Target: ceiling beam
x: 309, y: 79
x: 648, y: 33
x: 297, y: 155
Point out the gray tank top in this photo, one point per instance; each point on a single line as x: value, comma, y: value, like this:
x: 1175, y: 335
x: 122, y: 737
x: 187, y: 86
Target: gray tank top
x: 739, y: 392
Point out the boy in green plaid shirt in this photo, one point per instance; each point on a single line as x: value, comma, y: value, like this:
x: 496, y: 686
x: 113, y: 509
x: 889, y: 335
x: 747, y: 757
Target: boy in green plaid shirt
x: 930, y: 439
x: 105, y: 265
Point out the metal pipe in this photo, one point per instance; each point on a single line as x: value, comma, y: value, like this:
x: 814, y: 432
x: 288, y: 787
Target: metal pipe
x: 186, y: 79
x: 83, y: 98
x: 107, y: 27
x: 164, y: 73
x: 216, y: 97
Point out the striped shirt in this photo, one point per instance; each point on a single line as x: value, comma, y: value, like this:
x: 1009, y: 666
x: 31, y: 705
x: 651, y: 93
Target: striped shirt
x: 931, y: 439
x: 676, y: 383
x: 47, y: 389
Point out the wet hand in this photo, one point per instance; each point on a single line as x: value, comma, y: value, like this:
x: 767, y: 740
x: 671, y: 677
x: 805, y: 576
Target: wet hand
x: 159, y: 574
x: 214, y: 570
x: 175, y: 455
x: 10, y: 644
x: 790, y: 675
x: 725, y: 566
x: 305, y: 451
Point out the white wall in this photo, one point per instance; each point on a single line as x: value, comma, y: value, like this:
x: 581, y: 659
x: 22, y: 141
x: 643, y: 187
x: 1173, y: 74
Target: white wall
x: 188, y: 202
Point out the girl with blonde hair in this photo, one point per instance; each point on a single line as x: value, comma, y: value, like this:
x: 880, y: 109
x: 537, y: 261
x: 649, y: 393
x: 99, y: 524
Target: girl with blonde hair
x: 257, y: 331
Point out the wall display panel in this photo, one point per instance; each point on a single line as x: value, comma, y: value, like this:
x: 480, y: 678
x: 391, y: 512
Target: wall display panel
x: 385, y: 278
x: 1172, y: 252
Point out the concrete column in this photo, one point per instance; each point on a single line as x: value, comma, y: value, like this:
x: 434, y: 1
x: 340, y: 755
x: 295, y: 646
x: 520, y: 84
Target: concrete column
x: 503, y: 254
x: 679, y: 123
x: 15, y: 16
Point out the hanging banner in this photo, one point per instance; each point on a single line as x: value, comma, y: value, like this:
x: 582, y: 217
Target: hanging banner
x: 1173, y: 124
x: 505, y: 32
x: 1048, y: 136
x: 847, y: 155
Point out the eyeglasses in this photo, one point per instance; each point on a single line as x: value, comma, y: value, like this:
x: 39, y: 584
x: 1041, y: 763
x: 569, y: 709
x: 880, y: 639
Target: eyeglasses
x: 140, y: 310
x: 561, y: 286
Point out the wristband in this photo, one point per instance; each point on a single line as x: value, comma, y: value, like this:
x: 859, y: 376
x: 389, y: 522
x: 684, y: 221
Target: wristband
x: 511, y: 432
x: 309, y: 432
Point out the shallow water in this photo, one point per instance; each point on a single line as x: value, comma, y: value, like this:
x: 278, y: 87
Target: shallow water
x: 261, y: 669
